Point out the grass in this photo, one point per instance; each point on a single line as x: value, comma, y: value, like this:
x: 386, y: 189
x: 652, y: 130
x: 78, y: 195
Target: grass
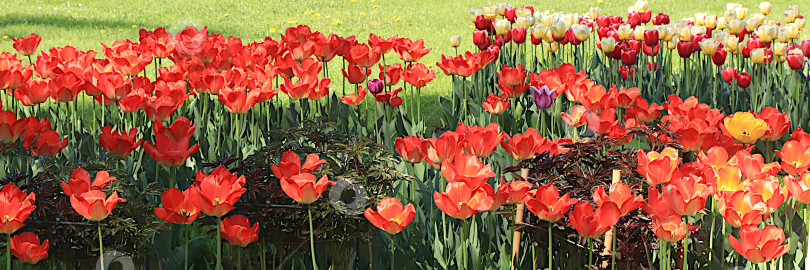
x: 87, y: 24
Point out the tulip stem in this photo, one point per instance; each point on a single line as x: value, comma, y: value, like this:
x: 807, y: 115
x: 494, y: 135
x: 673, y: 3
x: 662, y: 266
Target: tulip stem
x: 185, y: 263
x: 219, y: 243
x: 311, y: 238
x: 550, y: 258
x: 8, y: 251
x: 465, y: 231
x: 392, y: 252
x: 100, y: 248
x: 412, y: 168
x: 590, y: 253
x: 686, y: 245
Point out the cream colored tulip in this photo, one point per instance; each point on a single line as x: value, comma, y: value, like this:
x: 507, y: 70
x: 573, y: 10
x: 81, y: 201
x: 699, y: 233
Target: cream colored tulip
x: 523, y: 12
x: 800, y: 22
x: 758, y: 56
x: 779, y: 49
x: 490, y: 12
x: 455, y: 41
x: 708, y: 46
x: 765, y: 8
x: 781, y: 35
x: 608, y: 44
x: 525, y: 21
x: 625, y: 32
x: 501, y: 8
x: 719, y: 36
x: 594, y: 12
x: 547, y: 19
x: 638, y: 33
x: 732, y: 44
x: 792, y: 31
x: 672, y: 44
x: 790, y: 15
x: 571, y: 18
x: 551, y: 46
x: 735, y: 26
x: 710, y: 21
x: 501, y: 26
x: 741, y: 13
x: 766, y: 33
x: 665, y: 32
x: 729, y: 15
x: 582, y: 32
x: 558, y: 29
x: 698, y: 30
x: 751, y: 25
x: 474, y: 13
x: 641, y: 6
x: 733, y: 6
x: 721, y: 23
x: 700, y: 18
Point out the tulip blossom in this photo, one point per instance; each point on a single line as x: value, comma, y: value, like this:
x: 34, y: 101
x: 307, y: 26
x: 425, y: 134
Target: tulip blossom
x: 760, y: 246
x: 658, y: 168
x: 778, y: 123
x: 418, y: 75
x: 354, y: 99
x: 26, y: 45
x: 592, y: 224
x: 512, y: 76
x: 190, y: 41
x: 670, y: 229
x: 375, y: 86
x: 27, y: 247
x: 525, y: 145
x: 543, y: 97
x: 496, y: 105
x: 239, y: 101
x: 11, y: 128
x: 33, y: 92
x: 238, y: 231
x: 799, y: 186
x: 47, y: 143
x: 290, y: 165
x: 219, y: 191
x: 391, y: 74
x: 462, y: 201
x: 772, y: 194
x: 410, y: 148
x: 742, y: 207
x: 179, y: 207
x: 79, y: 182
x: 411, y: 51
x: 621, y: 195
x: 15, y: 206
x: 795, y: 157
x: 548, y: 205
x: 643, y: 111
x: 753, y: 167
x: 355, y: 74
x: 391, y: 216
x: 743, y: 79
x: 468, y: 169
x: 481, y: 141
x: 512, y: 192
x: 171, y: 143
x: 444, y: 148
x: 745, y: 127
x: 94, y: 205
x: 728, y: 74
x: 575, y: 119
x: 362, y: 55
x: 389, y: 97
x: 303, y: 187
x: 687, y: 195
x: 119, y: 143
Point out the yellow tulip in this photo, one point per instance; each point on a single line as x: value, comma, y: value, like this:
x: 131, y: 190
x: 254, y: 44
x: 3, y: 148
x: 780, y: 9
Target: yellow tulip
x: 700, y: 18
x: 571, y: 18
x: 765, y: 8
x: 551, y: 46
x: 638, y: 33
x: 800, y: 22
x: 791, y: 14
x: 735, y: 26
x: 780, y: 59
x: 474, y: 13
x: 732, y: 44
x: 728, y: 15
x: 523, y: 12
x: 665, y: 32
x: 758, y: 56
x: 501, y: 26
x: 672, y: 44
x: 698, y: 30
x: 558, y: 29
x: 792, y: 30
x: 710, y: 21
x: 745, y: 127
x: 594, y: 12
x: 707, y: 46
x: 721, y: 23
x: 608, y: 44
x: 759, y: 17
x: 733, y: 6
x: 781, y: 35
x: 741, y: 12
x: 752, y: 24
x: 779, y: 49
x: 547, y: 19
x: 490, y: 12
x: 625, y: 32
x: 455, y: 41
x: 766, y: 33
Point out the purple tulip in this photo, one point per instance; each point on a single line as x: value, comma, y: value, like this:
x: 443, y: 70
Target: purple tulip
x: 375, y: 86
x: 543, y: 97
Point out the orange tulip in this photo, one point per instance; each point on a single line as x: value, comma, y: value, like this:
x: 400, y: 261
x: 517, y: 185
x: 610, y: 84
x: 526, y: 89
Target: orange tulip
x: 716, y: 157
x: 687, y: 195
x: 745, y: 127
x: 391, y: 216
x: 27, y: 247
x: 410, y: 51
x: 418, y: 75
x: 219, y: 191
x: 670, y: 229
x: 658, y: 168
x: 410, y: 148
x: 481, y: 141
x: 657, y: 206
x: 303, y: 188
x: 642, y: 111
x: 15, y: 207
x: 27, y: 45
x: 512, y: 76
x: 512, y: 192
x: 753, y: 167
x: 442, y: 149
x: 462, y: 201
x: 79, y: 182
x: 592, y: 224
x: 773, y: 195
x: 11, y: 128
x: 759, y: 246
x: 778, y: 123
x: 179, y: 207
x: 526, y: 145
x: 799, y: 186
x: 621, y: 195
x: 575, y: 119
x: 354, y: 99
x: 496, y: 105
x: 729, y: 178
x: 742, y: 207
x: 468, y: 169
x: 548, y: 205
x: 238, y: 231
x: 94, y: 205
x: 795, y: 157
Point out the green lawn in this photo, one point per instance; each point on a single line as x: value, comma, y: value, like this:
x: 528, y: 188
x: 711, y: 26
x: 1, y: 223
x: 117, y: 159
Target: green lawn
x: 86, y: 24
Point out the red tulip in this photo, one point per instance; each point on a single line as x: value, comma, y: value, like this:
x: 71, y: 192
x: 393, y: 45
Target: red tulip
x: 410, y: 51
x: 658, y: 168
x: 79, y: 182
x: 121, y: 144
x: 356, y: 74
x: 290, y: 165
x: 660, y: 19
x: 27, y: 45
x: 384, y: 45
x: 687, y: 195
x: 390, y: 97
x: 33, y: 92
x: 94, y: 205
x: 778, y: 123
x: 759, y: 246
x: 219, y: 191
x: 390, y: 74
x: 361, y: 55
x: 65, y: 87
x: 511, y: 192
x: 410, y: 148
x: 642, y: 111
x: 481, y: 141
x: 795, y: 157
x: 27, y: 247
x: 48, y: 143
x: 526, y: 145
x: 495, y: 105
x: 629, y: 57
x: 391, y: 216
x: 418, y: 75
x: 518, y: 34
x: 444, y: 148
x: 670, y: 229
x: 592, y: 224
x: 354, y: 99
x: 795, y: 61
x: 468, y: 169
x: 575, y: 119
x: 171, y: 143
x: 799, y: 186
x: 179, y: 207
x: 512, y: 76
x: 719, y: 57
x: 548, y: 205
x: 685, y: 48
x: 462, y: 201
x: 190, y: 41
x: 238, y: 231
x: 15, y: 206
x: 10, y: 127
x: 169, y: 96
x: 742, y: 207
x: 239, y: 101
x: 619, y: 194
x: 743, y: 79
x: 772, y: 194
x: 126, y: 58
x: 728, y: 74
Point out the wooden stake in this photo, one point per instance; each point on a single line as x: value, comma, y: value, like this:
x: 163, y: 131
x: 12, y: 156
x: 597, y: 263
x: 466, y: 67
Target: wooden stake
x: 518, y: 219
x: 609, y: 236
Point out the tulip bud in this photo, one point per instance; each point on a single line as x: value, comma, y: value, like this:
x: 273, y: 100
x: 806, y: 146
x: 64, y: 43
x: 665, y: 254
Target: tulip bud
x: 625, y: 32
x: 731, y: 44
x: 375, y: 86
x: 782, y: 35
x: 672, y: 44
x: 543, y: 97
x: 501, y: 27
x: 795, y: 59
x: 547, y: 19
x: 728, y: 15
x: 571, y: 19
x: 666, y: 33
x: 700, y: 18
x: 800, y: 22
x: 765, y: 8
x: 558, y: 29
x: 474, y: 13
x: 490, y: 12
x: 594, y: 12
x: 735, y: 26
x: 791, y: 31
x: 758, y: 56
x: 608, y: 44
x: 455, y: 41
x: 551, y: 46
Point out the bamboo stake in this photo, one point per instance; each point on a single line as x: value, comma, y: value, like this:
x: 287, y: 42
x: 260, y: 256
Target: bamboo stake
x: 518, y: 219
x: 609, y: 235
